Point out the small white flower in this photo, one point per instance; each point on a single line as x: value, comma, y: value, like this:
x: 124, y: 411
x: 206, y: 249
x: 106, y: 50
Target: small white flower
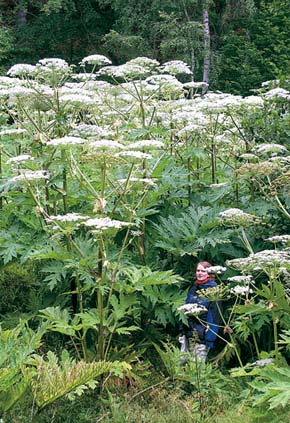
x: 21, y: 69
x: 249, y: 156
x: 136, y: 233
x: 262, y: 260
x: 52, y: 64
x: 220, y: 185
x: 253, y: 100
x: 134, y: 154
x: 20, y: 159
x: 30, y: 175
x: 271, y: 82
x: 66, y: 141
x: 105, y: 223
x: 270, y: 149
x: 192, y: 309
x: 239, y: 279
x: 106, y: 144
x: 175, y: 67
x: 217, y: 270
x: 83, y: 77
x: 145, y: 62
x: 96, y: 59
x: 13, y: 131
x: 238, y: 217
x: 279, y: 238
x: 19, y: 91
x: 126, y: 71
x: 241, y: 290
x: 89, y: 131
x: 147, y: 181
x: 69, y: 217
x: 263, y: 362
x: 277, y: 92
x: 145, y: 144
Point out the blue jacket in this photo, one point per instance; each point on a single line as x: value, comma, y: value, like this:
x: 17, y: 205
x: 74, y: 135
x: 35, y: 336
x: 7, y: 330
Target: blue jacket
x: 207, y: 332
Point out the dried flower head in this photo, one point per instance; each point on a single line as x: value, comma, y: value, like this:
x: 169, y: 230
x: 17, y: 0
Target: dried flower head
x: 216, y: 293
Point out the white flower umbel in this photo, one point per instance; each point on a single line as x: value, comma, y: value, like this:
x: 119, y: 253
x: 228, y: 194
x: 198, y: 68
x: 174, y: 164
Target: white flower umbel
x: 240, y: 279
x: 272, y: 82
x: 30, y: 175
x: 262, y: 260
x: 52, y: 64
x: 19, y: 159
x: 277, y: 92
x: 146, y: 144
x: 66, y: 141
x: 253, y: 100
x: 77, y: 100
x: 238, y: 217
x: 90, y: 131
x: 192, y: 309
x: 175, y: 67
x: 104, y: 223
x: 96, y: 59
x: 69, y: 217
x: 263, y: 362
x: 285, y: 239
x: 249, y: 156
x: 134, y: 155
x: 83, y: 77
x: 241, y: 290
x: 22, y: 69
x: 270, y: 149
x: 13, y: 131
x: 145, y: 62
x: 126, y: 71
x: 20, y: 92
x: 106, y: 144
x: 147, y: 181
x: 216, y: 270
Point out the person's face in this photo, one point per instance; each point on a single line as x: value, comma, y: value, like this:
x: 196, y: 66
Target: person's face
x: 201, y: 273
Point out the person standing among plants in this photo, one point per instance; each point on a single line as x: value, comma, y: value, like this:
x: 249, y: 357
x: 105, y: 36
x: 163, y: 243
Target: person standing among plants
x: 203, y: 315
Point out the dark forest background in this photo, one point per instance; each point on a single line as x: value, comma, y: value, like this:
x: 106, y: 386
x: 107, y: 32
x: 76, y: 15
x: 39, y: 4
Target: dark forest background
x: 247, y: 42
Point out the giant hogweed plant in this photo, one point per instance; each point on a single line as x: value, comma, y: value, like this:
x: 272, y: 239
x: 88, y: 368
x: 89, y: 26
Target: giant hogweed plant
x: 80, y: 185
x: 79, y: 163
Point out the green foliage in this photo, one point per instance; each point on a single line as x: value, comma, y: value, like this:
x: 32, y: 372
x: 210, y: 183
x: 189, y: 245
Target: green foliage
x: 194, y: 231
x: 18, y: 288
x: 16, y: 348
x: 56, y: 378
x: 273, y: 386
x: 123, y: 47
x: 6, y: 45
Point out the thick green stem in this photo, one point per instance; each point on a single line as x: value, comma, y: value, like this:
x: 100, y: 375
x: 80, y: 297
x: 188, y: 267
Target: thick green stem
x: 275, y: 332
x: 1, y: 199
x: 231, y: 337
x: 64, y: 183
x: 100, y: 305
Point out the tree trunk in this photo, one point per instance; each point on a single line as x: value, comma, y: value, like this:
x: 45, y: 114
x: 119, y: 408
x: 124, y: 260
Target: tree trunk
x: 21, y: 16
x: 206, y: 42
